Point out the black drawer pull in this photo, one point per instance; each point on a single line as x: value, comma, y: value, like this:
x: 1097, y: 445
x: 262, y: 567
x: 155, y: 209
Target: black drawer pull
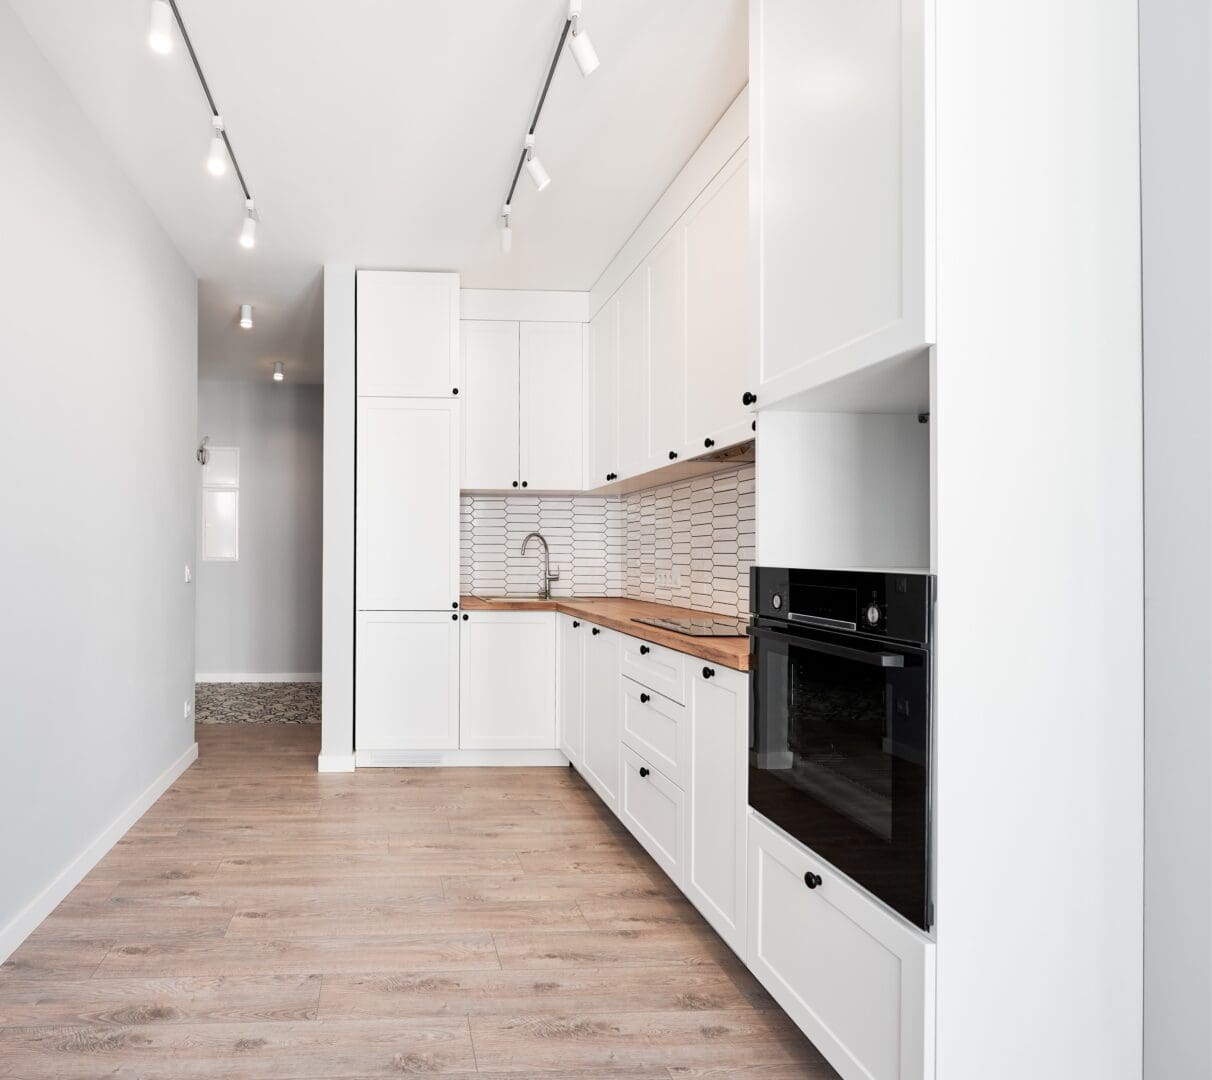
x: 708, y: 672
x: 813, y: 881
x: 596, y: 631
x: 575, y: 624
x: 455, y: 617
x: 455, y: 604
x: 464, y: 618
x: 709, y: 443
x: 748, y: 399
x: 673, y: 455
x: 644, y: 650
x: 645, y: 699
x: 643, y: 771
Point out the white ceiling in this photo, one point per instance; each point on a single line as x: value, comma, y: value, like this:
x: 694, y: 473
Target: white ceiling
x: 384, y: 133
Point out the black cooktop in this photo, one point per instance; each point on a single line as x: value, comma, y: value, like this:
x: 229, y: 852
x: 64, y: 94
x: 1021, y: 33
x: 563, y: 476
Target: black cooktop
x: 697, y: 626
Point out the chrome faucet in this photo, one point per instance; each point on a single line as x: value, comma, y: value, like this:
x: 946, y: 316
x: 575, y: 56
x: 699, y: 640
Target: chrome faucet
x: 548, y: 576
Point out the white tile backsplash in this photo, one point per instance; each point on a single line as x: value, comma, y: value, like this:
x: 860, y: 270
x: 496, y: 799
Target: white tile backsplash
x: 689, y: 543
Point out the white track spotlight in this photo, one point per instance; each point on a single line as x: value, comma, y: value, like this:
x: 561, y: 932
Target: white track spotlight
x: 279, y: 371
x: 216, y: 159
x: 534, y: 167
x: 506, y: 231
x: 583, y: 51
x: 248, y: 232
x: 246, y: 322
x: 160, y: 29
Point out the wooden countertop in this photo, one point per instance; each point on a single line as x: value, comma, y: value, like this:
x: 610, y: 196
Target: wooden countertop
x: 616, y: 613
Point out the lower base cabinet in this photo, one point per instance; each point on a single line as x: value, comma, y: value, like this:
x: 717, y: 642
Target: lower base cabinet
x: 507, y: 667
x: 857, y: 980
x: 600, y: 759
x: 717, y: 799
x: 653, y: 807
x: 570, y: 643
x: 406, y: 681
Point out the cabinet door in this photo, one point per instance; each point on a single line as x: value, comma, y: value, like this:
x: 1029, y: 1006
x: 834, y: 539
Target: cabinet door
x: 653, y: 807
x: 553, y: 406
x: 717, y: 801
x: 666, y: 272
x: 719, y: 341
x: 407, y: 333
x: 633, y: 375
x: 602, y: 710
x: 407, y: 681
x: 407, y: 516
x: 840, y: 168
x: 857, y: 980
x: 571, y: 647
x: 490, y: 405
x: 507, y: 681
x: 604, y: 393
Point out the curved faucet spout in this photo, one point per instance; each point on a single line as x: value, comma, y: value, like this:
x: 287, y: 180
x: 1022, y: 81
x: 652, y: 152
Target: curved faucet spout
x: 548, y: 576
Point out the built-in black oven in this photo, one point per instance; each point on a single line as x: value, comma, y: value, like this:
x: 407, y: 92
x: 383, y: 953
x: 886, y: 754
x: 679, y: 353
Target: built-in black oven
x: 840, y: 749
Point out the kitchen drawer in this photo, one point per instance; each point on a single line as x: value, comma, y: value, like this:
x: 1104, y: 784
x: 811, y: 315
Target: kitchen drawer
x: 656, y: 728
x: 652, y: 806
x: 656, y: 668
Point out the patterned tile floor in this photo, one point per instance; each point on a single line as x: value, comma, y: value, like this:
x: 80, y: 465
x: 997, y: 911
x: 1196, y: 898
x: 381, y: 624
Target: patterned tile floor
x: 257, y: 703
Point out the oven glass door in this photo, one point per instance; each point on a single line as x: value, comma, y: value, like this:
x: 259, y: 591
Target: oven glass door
x: 840, y: 756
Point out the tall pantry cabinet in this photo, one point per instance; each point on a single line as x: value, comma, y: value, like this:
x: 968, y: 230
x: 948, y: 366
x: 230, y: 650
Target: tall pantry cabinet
x: 406, y: 672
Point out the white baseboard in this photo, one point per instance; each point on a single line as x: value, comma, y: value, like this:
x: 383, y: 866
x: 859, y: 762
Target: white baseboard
x: 46, y: 901
x: 335, y: 763
x: 414, y: 759
x: 259, y: 677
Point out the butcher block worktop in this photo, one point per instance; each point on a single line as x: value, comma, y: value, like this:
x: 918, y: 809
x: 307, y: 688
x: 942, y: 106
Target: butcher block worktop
x: 616, y: 613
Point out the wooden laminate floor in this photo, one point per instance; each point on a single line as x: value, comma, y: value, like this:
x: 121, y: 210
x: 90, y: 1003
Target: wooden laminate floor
x: 262, y: 920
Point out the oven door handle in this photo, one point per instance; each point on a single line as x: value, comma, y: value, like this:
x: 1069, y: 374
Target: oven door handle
x: 872, y: 659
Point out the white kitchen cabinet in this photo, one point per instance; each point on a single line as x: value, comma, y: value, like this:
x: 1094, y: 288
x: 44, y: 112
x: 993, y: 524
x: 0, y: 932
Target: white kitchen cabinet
x: 491, y: 406
x: 407, y: 680
x: 407, y: 511
x: 656, y: 728
x: 552, y: 376
x: 571, y: 635
x: 633, y: 375
x: 664, y: 274
x: 600, y: 760
x: 507, y: 681
x: 719, y: 340
x: 717, y: 799
x: 857, y: 980
x: 652, y: 806
x: 407, y: 334
x: 840, y: 96
x: 604, y: 394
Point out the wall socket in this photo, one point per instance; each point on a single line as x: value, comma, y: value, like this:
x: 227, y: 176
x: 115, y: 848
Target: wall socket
x: 671, y: 579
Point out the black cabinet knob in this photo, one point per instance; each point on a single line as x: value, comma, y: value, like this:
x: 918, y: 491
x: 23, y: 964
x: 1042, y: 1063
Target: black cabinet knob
x: 643, y: 771
x: 709, y: 443
x: 753, y: 426
x: 455, y: 604
x: 515, y: 483
x: 644, y: 650
x: 612, y: 476
x: 708, y: 672
x: 464, y: 616
x: 673, y: 455
x: 575, y: 624
x: 455, y: 391
x: 596, y: 631
x: 812, y: 880
x: 748, y: 399
x: 525, y: 484
x: 455, y: 617
x: 645, y: 699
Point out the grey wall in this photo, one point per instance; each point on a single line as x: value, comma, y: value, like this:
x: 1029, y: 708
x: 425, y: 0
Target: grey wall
x: 98, y: 354
x: 1176, y: 174
x: 260, y: 615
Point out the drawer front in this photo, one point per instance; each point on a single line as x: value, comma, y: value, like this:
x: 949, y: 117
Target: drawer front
x: 656, y: 729
x: 656, y: 668
x: 857, y: 980
x: 652, y: 807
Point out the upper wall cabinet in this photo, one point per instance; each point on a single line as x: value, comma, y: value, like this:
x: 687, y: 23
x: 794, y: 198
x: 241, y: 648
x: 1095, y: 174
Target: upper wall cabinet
x: 524, y: 396
x: 604, y: 395
x: 633, y: 374
x: 407, y: 334
x: 843, y: 226
x: 664, y: 274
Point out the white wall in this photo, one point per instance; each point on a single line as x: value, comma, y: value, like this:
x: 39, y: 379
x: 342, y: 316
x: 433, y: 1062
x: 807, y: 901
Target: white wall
x: 98, y: 353
x: 1037, y: 422
x: 260, y: 615
x: 1176, y: 177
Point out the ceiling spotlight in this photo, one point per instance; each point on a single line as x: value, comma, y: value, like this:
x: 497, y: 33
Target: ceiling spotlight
x: 160, y: 30
x: 279, y: 371
x: 506, y: 231
x: 534, y: 166
x: 583, y: 51
x: 248, y: 232
x: 246, y: 317
x: 216, y: 160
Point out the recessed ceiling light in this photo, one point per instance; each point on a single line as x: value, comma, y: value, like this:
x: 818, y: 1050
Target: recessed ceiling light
x: 279, y: 371
x: 246, y: 322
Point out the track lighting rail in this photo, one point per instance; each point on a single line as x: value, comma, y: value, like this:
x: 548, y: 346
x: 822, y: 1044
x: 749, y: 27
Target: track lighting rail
x: 534, y: 123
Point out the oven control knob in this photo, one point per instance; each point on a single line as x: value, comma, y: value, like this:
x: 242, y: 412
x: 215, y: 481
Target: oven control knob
x: 872, y: 614
x: 776, y: 601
